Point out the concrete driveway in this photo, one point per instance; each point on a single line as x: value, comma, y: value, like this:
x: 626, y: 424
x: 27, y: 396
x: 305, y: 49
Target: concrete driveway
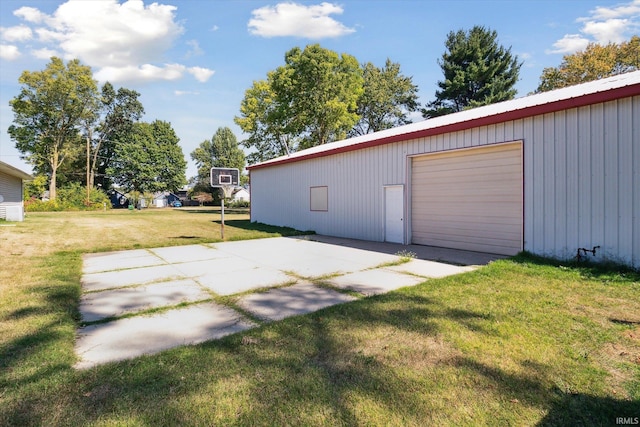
x: 145, y: 301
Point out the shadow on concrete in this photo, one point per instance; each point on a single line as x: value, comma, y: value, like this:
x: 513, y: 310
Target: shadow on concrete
x: 430, y: 253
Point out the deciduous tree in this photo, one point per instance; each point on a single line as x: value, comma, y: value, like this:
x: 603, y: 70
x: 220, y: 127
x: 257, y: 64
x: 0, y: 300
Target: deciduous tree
x: 49, y: 112
x: 477, y: 71
x: 595, y: 62
x: 309, y: 101
x: 387, y: 99
x: 221, y: 151
x: 149, y: 159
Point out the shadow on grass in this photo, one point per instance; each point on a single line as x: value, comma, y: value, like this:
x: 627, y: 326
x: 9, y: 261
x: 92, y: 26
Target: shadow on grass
x: 215, y: 211
x: 606, y: 272
x: 310, y: 370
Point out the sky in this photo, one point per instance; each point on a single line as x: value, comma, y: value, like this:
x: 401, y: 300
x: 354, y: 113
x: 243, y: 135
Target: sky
x: 193, y: 60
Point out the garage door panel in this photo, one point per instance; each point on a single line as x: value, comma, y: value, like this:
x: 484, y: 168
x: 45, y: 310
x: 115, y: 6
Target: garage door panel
x: 469, y: 199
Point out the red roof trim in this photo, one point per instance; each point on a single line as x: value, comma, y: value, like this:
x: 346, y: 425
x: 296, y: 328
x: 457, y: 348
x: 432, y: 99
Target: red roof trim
x: 581, y: 101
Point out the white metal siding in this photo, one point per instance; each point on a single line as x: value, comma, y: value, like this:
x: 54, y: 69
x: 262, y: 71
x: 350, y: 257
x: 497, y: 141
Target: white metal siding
x: 581, y: 182
x: 11, y: 191
x: 469, y: 199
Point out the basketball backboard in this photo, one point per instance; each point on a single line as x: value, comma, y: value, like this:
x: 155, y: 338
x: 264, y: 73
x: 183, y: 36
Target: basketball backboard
x: 221, y: 177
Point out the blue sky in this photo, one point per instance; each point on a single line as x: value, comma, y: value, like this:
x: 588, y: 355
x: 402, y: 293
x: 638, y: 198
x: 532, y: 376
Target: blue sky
x: 192, y: 60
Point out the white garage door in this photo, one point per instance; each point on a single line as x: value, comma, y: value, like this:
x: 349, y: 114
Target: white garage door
x: 469, y: 199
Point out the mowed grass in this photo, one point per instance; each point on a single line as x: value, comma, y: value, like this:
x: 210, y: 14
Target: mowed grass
x: 523, y: 341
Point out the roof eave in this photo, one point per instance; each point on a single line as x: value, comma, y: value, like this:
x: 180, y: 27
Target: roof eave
x: 516, y: 114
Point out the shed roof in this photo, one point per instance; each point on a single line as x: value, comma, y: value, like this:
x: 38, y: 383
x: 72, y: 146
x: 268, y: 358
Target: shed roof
x: 620, y: 86
x: 13, y: 171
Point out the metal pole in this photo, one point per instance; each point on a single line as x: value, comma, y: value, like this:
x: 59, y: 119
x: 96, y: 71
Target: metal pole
x: 222, y: 215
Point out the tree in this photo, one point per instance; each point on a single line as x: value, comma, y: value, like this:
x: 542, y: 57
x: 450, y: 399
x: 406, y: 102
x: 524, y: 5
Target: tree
x: 593, y: 63
x: 120, y: 110
x: 149, y: 159
x: 309, y: 101
x: 387, y: 98
x: 220, y: 151
x: 48, y: 114
x: 477, y: 71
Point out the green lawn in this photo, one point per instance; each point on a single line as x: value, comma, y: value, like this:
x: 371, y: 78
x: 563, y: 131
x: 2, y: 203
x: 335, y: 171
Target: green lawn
x: 523, y: 341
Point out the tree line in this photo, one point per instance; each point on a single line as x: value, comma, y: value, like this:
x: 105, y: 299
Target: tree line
x: 68, y: 130
x: 71, y: 131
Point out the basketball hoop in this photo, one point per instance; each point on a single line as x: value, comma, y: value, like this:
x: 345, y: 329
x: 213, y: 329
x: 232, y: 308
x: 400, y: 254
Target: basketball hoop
x: 226, y: 179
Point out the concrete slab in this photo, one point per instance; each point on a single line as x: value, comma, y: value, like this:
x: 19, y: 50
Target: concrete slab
x: 432, y: 253
x: 376, y: 281
x: 213, y: 266
x: 132, y: 276
x: 116, y: 302
x: 132, y: 337
x: 240, y: 281
x: 94, y: 263
x: 190, y: 253
x: 294, y: 300
x: 430, y: 268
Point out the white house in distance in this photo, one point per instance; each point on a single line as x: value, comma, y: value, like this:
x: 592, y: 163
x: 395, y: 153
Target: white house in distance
x: 241, y: 195
x: 548, y: 173
x: 11, y: 190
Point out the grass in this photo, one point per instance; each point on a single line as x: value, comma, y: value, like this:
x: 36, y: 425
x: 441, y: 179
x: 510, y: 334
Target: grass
x: 523, y: 341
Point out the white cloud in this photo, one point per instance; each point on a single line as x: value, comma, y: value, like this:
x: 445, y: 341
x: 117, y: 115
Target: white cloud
x: 44, y: 53
x: 185, y: 92
x: 292, y: 19
x: 623, y: 10
x: 201, y: 74
x: 9, y: 52
x: 570, y: 43
x: 30, y: 14
x: 609, y: 31
x: 603, y: 25
x: 19, y: 33
x: 145, y: 72
x: 195, y: 50
x: 126, y: 41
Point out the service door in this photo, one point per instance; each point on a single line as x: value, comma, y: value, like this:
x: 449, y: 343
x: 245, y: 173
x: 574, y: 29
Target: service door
x: 394, y: 213
x: 469, y: 199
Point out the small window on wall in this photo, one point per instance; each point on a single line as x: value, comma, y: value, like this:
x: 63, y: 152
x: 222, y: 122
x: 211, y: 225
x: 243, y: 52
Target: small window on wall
x: 319, y: 199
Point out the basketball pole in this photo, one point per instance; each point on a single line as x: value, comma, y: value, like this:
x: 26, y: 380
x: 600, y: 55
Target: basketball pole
x: 222, y: 214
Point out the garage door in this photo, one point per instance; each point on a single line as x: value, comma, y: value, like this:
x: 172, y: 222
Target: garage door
x: 469, y: 199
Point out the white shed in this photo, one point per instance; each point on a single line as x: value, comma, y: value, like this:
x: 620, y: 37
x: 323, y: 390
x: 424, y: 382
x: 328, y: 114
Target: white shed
x: 547, y: 173
x: 11, y: 190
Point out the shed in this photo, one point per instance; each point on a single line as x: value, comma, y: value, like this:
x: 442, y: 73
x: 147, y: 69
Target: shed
x: 547, y: 173
x: 11, y: 192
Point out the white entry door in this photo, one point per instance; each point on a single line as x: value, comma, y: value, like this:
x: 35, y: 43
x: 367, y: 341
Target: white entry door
x: 394, y: 213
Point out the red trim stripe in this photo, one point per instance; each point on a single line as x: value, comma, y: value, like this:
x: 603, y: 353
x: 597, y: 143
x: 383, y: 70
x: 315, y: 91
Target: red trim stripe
x: 551, y: 107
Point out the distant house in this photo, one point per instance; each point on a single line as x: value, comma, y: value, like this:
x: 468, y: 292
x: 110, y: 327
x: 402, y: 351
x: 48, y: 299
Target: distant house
x: 241, y: 194
x: 118, y: 199
x: 164, y: 199
x: 11, y: 192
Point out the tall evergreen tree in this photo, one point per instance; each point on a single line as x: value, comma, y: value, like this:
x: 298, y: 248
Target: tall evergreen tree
x: 477, y: 71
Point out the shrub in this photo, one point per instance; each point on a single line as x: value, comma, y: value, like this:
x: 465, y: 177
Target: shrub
x: 71, y: 197
x: 239, y: 204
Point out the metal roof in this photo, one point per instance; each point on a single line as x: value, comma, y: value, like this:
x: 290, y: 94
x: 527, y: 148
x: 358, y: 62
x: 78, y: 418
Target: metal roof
x: 13, y: 171
x: 620, y: 86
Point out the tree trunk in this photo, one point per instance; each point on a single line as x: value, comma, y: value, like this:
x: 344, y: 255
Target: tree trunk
x: 88, y: 167
x: 54, y: 170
